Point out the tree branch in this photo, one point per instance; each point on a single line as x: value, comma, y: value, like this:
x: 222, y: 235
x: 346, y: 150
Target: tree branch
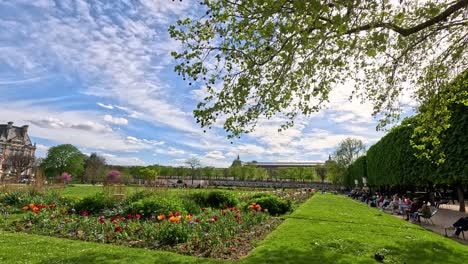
x: 409, y: 31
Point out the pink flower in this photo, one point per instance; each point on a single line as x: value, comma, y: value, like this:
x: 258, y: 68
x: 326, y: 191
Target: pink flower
x: 113, y: 176
x: 137, y: 216
x: 65, y: 177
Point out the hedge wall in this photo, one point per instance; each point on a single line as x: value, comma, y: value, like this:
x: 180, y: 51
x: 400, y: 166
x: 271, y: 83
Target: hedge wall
x: 356, y: 171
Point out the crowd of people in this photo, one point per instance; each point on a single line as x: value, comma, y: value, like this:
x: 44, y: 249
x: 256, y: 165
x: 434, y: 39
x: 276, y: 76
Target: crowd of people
x: 411, y: 209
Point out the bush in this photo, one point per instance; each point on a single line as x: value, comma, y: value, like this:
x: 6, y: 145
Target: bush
x: 95, y: 204
x: 171, y: 234
x: 274, y: 204
x: 214, y: 199
x: 191, y: 206
x: 156, y: 206
x: 21, y: 198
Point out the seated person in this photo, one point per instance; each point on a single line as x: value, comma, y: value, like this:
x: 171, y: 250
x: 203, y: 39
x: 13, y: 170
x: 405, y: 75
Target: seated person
x: 460, y: 225
x: 415, y: 205
x: 395, y: 203
x: 385, y: 203
x: 405, y: 204
x: 425, y: 212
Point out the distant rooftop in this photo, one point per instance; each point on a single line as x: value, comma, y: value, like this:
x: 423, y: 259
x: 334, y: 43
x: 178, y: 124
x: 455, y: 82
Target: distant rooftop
x: 285, y: 164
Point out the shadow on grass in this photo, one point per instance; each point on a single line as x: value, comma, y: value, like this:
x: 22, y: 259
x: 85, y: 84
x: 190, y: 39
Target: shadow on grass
x: 304, y: 256
x: 99, y: 257
x: 331, y: 252
x: 428, y: 252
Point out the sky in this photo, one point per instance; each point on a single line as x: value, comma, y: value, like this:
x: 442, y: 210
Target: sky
x: 99, y: 75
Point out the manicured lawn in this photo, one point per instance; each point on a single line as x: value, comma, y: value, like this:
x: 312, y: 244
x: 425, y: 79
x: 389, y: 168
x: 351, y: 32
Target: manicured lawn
x: 336, y: 229
x: 326, y: 229
x: 77, y: 190
x: 84, y: 190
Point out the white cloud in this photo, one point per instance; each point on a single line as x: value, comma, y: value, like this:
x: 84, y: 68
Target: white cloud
x: 122, y: 160
x: 116, y: 120
x: 105, y: 106
x: 118, y: 61
x: 217, y: 155
x: 74, y: 127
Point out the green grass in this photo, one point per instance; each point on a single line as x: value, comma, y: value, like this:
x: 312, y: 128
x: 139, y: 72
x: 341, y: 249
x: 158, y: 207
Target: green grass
x: 77, y: 190
x: 82, y: 190
x: 336, y: 229
x: 326, y: 229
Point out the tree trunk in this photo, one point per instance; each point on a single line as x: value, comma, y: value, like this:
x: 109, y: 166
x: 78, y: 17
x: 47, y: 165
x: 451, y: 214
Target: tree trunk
x: 461, y: 198
x: 18, y: 175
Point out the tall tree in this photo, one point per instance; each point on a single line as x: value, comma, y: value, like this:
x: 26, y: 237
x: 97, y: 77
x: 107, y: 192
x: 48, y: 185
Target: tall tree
x: 193, y: 163
x: 93, y: 166
x: 283, y: 57
x: 149, y: 173
x: 348, y: 151
x: 321, y: 172
x: 64, y: 158
x: 21, y: 162
x: 335, y: 172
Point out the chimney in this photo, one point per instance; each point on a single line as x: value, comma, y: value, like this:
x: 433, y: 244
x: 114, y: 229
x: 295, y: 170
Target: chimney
x: 10, y: 124
x: 24, y: 130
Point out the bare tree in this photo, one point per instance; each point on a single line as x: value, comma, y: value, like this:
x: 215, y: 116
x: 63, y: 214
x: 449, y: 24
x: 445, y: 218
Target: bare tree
x: 193, y: 162
x: 93, y: 165
x: 321, y: 172
x: 348, y: 151
x: 21, y: 162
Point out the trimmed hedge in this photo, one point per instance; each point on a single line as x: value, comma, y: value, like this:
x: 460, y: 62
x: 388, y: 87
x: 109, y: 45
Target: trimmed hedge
x: 214, y: 199
x: 156, y: 205
x: 274, y: 204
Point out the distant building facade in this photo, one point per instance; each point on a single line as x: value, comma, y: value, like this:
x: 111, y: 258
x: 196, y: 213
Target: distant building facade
x: 14, y: 140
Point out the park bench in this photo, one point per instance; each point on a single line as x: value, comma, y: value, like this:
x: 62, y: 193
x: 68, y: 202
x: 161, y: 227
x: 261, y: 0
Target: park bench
x: 428, y: 218
x: 453, y: 228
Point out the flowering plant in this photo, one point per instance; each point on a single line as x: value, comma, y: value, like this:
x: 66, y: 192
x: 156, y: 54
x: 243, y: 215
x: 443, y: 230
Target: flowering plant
x: 65, y: 177
x: 113, y: 176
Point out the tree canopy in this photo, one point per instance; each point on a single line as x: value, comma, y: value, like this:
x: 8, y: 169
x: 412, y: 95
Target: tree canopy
x: 348, y: 150
x: 264, y: 58
x: 64, y: 158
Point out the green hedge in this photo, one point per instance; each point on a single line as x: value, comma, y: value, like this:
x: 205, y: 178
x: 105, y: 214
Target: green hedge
x: 274, y: 204
x: 356, y: 171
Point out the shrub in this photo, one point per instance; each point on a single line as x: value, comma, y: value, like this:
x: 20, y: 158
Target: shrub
x: 214, y: 199
x: 191, y: 206
x: 95, y: 204
x: 171, y: 234
x: 273, y: 204
x: 156, y: 205
x: 21, y: 198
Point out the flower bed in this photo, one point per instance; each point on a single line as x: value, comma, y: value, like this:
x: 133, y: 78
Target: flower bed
x: 223, y: 233
x: 145, y: 220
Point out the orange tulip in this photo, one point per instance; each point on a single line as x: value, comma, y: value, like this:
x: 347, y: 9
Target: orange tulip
x: 25, y: 207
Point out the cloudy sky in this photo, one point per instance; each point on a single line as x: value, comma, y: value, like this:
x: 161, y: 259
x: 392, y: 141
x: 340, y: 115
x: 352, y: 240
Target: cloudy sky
x: 99, y: 75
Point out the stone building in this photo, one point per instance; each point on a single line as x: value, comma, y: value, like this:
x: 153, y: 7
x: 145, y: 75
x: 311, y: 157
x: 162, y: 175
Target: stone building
x: 14, y: 141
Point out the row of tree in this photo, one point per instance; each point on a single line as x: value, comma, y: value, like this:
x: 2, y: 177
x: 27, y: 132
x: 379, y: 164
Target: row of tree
x: 394, y: 162
x: 92, y: 169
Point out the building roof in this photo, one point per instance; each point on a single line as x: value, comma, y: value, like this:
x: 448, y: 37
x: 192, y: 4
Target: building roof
x: 8, y: 132
x: 285, y: 164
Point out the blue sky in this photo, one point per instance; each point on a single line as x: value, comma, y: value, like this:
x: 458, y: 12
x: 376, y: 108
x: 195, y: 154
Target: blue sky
x: 98, y: 74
